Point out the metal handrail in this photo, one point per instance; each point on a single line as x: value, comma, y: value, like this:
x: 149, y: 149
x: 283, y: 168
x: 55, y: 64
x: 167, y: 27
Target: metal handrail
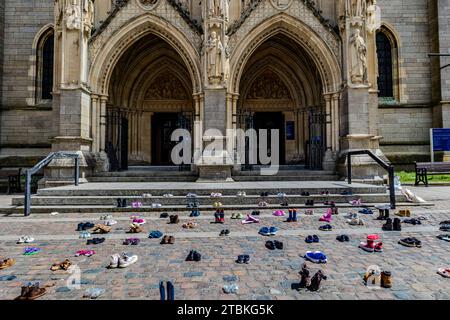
x: 389, y: 168
x: 43, y: 163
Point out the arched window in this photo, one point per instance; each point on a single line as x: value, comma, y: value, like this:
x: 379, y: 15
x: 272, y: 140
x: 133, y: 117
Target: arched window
x: 44, y: 74
x: 388, y: 82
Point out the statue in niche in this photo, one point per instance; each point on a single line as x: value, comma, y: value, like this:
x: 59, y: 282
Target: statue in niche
x: 373, y: 17
x: 358, y: 8
x: 88, y: 17
x: 215, y: 56
x: 218, y: 8
x: 58, y: 12
x: 73, y: 16
x: 358, y: 57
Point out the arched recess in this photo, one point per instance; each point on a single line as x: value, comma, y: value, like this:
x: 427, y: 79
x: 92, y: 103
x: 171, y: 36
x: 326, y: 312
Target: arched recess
x: 309, y: 70
x: 388, y: 38
x: 120, y: 76
x: 42, y: 68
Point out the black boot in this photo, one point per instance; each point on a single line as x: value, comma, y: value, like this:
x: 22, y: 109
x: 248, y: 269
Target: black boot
x: 119, y: 203
x: 380, y: 214
x: 397, y: 224
x: 386, y: 213
x: 124, y: 203
x: 388, y: 225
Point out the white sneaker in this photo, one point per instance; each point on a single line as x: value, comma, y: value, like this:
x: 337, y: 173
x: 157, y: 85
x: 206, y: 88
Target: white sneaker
x: 168, y: 195
x: 114, y: 261
x: 126, y: 260
x: 25, y: 239
x: 156, y: 205
x: 146, y: 195
x: 54, y: 213
x: 107, y: 217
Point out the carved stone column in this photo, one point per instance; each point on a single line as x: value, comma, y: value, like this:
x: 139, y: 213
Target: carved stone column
x: 73, y: 24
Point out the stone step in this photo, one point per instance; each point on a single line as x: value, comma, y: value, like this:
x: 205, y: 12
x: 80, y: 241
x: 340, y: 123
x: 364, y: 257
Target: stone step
x: 202, y: 200
x: 109, y: 209
x: 285, y: 178
x: 205, y: 189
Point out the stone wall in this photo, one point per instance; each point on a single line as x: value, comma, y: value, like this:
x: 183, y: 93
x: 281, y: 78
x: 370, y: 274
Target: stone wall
x: 24, y: 128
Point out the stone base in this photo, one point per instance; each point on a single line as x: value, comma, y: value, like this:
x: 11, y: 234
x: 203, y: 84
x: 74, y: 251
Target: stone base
x: 214, y: 173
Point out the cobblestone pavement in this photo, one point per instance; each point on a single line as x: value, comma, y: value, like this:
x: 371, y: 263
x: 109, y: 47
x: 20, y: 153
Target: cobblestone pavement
x: 270, y: 274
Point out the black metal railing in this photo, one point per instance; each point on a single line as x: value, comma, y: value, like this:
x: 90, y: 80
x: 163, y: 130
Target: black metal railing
x: 389, y: 168
x: 43, y: 163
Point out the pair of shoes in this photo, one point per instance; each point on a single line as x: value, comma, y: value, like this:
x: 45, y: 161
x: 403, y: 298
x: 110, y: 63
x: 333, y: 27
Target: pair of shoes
x: 84, y: 235
x: 6, y: 263
x: 155, y: 234
x: 101, y: 228
x: 136, y: 204
x: 65, y: 265
x: 272, y: 245
x: 225, y: 232
x: 266, y: 231
x: 139, y: 221
x: 217, y: 204
x: 279, y: 213
x: 194, y: 256
x: 93, y: 293
x: 232, y: 288
x: 170, y: 291
x: 243, y: 258
x: 256, y: 213
x: 216, y: 195
x: 191, y: 195
x: 412, y: 221
x: 355, y: 222
x: 326, y: 227
x: 411, y: 242
x: 264, y: 194
x: 325, y: 193
x: 250, y: 219
x: 164, y: 215
x: 168, y: 195
x: 146, y: 195
x: 309, y: 202
x: 343, y: 238
x: 241, y: 194
x: 135, y: 228
x: 86, y: 253
x: 356, y: 202
x: 305, y: 194
x: 366, y: 211
x: 374, y: 276
x: 121, y: 203
x: 309, y: 212
x: 263, y: 204
x: 95, y: 241
x: 195, y: 213
x: 370, y: 245
x: 219, y: 216
x: 190, y: 225
x: 316, y: 256
x: 85, y: 226
x: 347, y: 193
x: 292, y: 215
x: 122, y: 261
x: 106, y: 217
x: 168, y: 240
x: 311, y: 239
x: 174, y: 219
x: 131, y: 241
x: 237, y: 216
x: 30, y: 251
x: 403, y: 213
x: 31, y: 292
x: 25, y: 239
x: 328, y: 216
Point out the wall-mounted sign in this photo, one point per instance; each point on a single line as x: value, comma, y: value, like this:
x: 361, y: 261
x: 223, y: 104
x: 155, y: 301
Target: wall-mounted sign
x: 290, y: 130
x: 439, y: 140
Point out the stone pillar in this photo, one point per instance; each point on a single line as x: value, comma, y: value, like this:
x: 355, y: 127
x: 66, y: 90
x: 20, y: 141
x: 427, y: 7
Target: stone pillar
x: 95, y: 108
x: 357, y: 131
x: 102, y: 126
x: 215, y: 163
x: 329, y: 162
x: 73, y: 24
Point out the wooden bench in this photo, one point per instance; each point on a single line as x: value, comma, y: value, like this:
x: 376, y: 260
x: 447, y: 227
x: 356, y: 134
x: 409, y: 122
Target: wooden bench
x: 13, y: 176
x: 423, y: 169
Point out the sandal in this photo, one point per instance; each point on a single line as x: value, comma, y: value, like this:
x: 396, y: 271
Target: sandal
x: 65, y: 265
x: 6, y: 263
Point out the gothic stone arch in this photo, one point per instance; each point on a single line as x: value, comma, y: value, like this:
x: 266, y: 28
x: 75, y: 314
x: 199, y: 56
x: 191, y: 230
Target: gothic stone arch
x: 321, y: 51
x: 107, y: 48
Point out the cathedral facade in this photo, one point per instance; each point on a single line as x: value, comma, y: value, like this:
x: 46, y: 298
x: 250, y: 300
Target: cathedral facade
x: 112, y: 79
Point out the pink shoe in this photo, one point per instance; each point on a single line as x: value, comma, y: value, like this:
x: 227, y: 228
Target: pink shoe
x: 139, y: 221
x: 252, y: 218
x: 367, y: 246
x: 136, y: 204
x: 328, y: 216
x: 355, y: 202
x: 279, y: 213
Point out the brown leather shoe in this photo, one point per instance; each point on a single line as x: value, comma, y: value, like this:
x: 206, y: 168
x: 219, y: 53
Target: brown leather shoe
x: 386, y: 279
x: 171, y: 240
x: 65, y: 265
x: 31, y: 292
x: 135, y: 228
x: 6, y: 263
x: 165, y: 240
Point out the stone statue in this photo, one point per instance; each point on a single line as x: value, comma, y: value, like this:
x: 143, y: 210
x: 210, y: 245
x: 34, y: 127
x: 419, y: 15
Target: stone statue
x: 358, y: 8
x: 88, y: 14
x: 58, y: 12
x: 225, y: 9
x: 218, y: 8
x: 73, y: 16
x: 358, y: 57
x: 215, y: 56
x: 373, y: 18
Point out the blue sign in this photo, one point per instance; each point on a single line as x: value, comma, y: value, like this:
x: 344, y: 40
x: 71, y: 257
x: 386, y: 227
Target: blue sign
x: 290, y: 130
x: 441, y: 139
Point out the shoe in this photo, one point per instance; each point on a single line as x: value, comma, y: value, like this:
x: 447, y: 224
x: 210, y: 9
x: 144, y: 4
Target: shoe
x: 279, y: 245
x: 445, y: 272
x: 197, y: 256
x: 367, y: 246
x: 190, y: 256
x: 294, y: 215
x: 265, y: 231
x: 165, y: 240
x: 65, y: 265
x: 6, y: 263
x: 273, y: 231
x: 412, y: 221
x: 444, y: 237
x: 126, y: 260
x: 386, y: 279
x: 240, y: 259
x: 327, y: 217
x: 31, y: 292
x: 397, y: 225
x: 315, y: 238
x: 171, y: 240
x: 164, y: 215
x: 340, y: 238
x: 355, y: 222
x: 246, y: 258
x: 174, y: 219
x: 316, y: 280
x: 316, y: 256
x: 356, y: 202
x: 388, y: 225
x: 279, y: 213
x: 410, y: 242
x: 403, y: 213
x: 366, y: 211
x: 114, y: 261
x: 25, y: 239
x: 270, y: 245
x: 326, y: 227
x: 309, y: 239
